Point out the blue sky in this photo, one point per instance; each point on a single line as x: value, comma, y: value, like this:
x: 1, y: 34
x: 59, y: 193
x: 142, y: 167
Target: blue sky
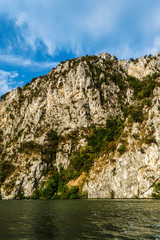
x: 35, y: 35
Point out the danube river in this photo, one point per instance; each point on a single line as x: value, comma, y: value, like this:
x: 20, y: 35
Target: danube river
x: 79, y: 219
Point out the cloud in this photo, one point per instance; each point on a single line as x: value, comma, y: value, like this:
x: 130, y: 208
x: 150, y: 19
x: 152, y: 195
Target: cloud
x: 7, y: 81
x: 71, y: 24
x: 80, y: 27
x: 25, y: 62
x: 35, y: 35
x: 21, y: 19
x: 155, y: 47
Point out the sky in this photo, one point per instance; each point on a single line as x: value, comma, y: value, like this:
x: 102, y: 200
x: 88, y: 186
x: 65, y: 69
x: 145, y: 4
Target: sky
x: 35, y: 35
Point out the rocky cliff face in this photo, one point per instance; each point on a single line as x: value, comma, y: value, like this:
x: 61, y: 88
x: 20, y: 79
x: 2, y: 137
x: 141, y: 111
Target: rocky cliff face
x: 90, y: 125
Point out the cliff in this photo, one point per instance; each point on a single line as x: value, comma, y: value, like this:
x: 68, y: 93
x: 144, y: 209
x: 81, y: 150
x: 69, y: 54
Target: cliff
x: 90, y: 127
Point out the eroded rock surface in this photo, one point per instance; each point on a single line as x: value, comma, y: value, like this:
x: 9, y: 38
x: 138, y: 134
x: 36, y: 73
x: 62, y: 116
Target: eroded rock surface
x: 70, y: 100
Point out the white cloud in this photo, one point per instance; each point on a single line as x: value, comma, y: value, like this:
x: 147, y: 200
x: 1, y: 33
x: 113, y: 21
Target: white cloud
x: 21, y: 19
x: 60, y: 23
x: 24, y: 62
x: 155, y: 47
x: 7, y: 81
x: 85, y: 26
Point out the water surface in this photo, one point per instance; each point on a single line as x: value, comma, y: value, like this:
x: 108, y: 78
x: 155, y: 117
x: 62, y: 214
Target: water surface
x: 79, y: 219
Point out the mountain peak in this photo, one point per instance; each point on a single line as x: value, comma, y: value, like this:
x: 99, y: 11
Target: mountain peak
x: 92, y: 123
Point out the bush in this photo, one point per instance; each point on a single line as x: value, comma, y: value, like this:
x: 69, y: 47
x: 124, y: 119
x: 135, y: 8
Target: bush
x: 50, y: 149
x: 1, y: 135
x: 136, y: 113
x: 6, y: 169
x: 81, y: 161
x: 29, y: 147
x: 26, y: 86
x: 156, y: 191
x: 96, y: 140
x: 36, y: 194
x: 147, y: 102
x: 118, y: 79
x: 150, y: 140
x: 71, y: 193
x: 101, y: 137
x: 33, y: 79
x: 20, y: 194
x: 142, y: 150
x: 142, y: 89
x: 50, y: 189
x: 3, y: 97
x: 122, y: 149
x: 155, y: 195
x: 112, y: 194
x: 56, y: 188
x: 135, y: 136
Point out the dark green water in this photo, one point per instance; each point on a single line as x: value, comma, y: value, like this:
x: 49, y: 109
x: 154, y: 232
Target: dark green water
x: 79, y: 219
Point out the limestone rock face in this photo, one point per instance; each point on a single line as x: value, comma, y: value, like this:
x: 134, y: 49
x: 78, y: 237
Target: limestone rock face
x: 130, y: 176
x: 69, y: 100
x: 142, y: 66
x: 107, y: 56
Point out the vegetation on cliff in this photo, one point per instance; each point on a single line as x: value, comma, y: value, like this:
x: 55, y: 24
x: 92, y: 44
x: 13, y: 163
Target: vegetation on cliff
x: 58, y: 127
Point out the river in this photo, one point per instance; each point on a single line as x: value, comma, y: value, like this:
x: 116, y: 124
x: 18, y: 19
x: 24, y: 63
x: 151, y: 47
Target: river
x: 79, y: 219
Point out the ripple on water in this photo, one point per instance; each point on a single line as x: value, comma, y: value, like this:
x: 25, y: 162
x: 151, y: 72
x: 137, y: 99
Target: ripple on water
x: 80, y: 219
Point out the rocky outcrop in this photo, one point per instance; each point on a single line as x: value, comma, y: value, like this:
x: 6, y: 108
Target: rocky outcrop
x: 66, y: 105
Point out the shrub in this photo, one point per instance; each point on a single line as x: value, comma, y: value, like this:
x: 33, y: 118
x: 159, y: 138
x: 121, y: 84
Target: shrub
x: 3, y: 97
x: 6, y: 169
x: 136, y: 113
x: 101, y: 137
x: 61, y: 185
x: 142, y: 89
x: 156, y: 190
x: 50, y: 189
x: 81, y: 161
x: 155, y: 195
x: 56, y: 188
x: 147, y: 102
x: 26, y: 86
x: 50, y: 149
x: 71, y: 193
x: 135, y: 136
x: 33, y: 79
x: 96, y: 139
x: 29, y: 147
x: 36, y: 194
x: 142, y: 150
x: 112, y: 194
x: 150, y: 140
x: 122, y: 149
x: 1, y: 134
x: 20, y: 194
x: 118, y: 79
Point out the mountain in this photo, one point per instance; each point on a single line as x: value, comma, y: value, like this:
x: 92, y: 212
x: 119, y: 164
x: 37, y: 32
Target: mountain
x: 89, y: 128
